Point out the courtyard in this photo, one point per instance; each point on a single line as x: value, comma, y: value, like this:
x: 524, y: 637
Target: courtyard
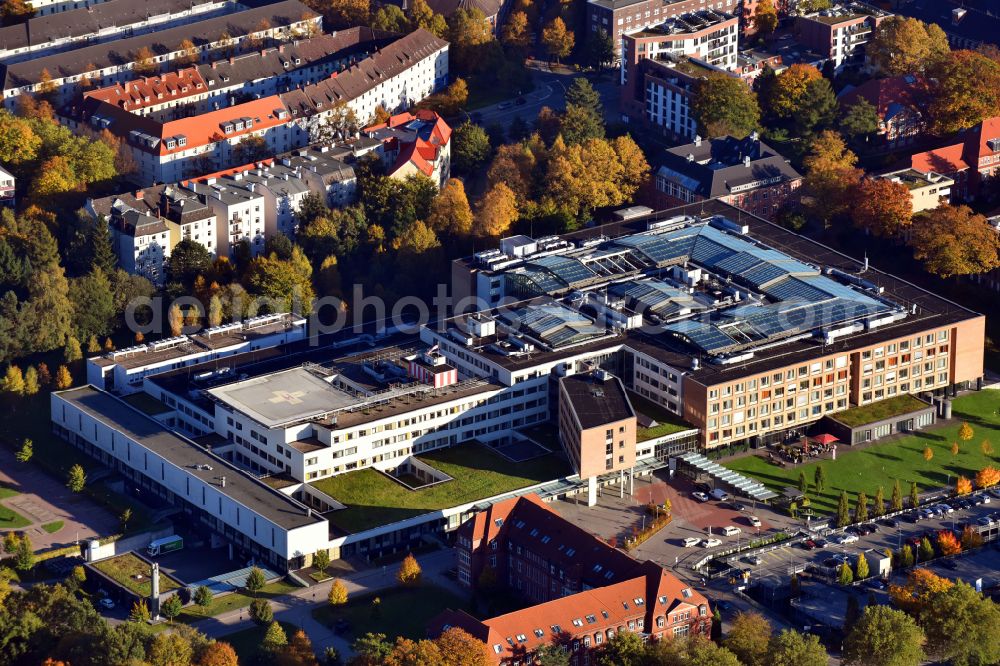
x: 134, y: 574
x: 902, y: 458
x: 477, y: 472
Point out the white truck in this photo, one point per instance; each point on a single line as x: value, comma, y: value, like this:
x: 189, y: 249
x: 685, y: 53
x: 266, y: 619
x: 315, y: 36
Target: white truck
x: 165, y: 545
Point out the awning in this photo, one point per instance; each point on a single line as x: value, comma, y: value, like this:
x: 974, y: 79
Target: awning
x: 825, y: 439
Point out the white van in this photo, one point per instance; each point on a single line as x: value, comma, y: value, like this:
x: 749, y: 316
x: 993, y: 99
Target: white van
x: 719, y: 494
x: 731, y: 530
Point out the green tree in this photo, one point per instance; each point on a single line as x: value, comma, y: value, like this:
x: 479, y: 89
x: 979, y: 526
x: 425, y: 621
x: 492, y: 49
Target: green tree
x: 843, y: 510
x: 625, y: 648
x: 124, y: 517
x: 390, y: 18
x: 819, y: 478
x: 171, y: 607
x: 26, y: 451
x: 261, y: 612
x: 884, y: 637
x: 600, y: 49
x: 914, y: 495
x: 139, y: 612
x: 203, y: 597
x: 24, y: 556
x: 748, y: 638
x: 13, y: 381
x: 101, y: 251
x: 470, y: 148
x: 287, y: 282
x: 31, y: 386
x: 962, y: 627
x: 926, y: 550
x: 790, y: 648
x: 274, y: 639
x: 861, y: 508
x: 255, y: 581
x: 906, y: 556
x: 579, y: 125
x: 552, y: 654
x: 878, y: 504
x: 422, y: 16
x: 803, y: 482
x: 94, y: 305
x: 859, y: 120
x: 844, y: 574
x: 72, y: 352
x: 852, y: 614
x: 321, y: 560
x: 188, y: 260
x: 896, y: 501
x: 76, y: 479
x: 374, y: 648
x: 724, y: 105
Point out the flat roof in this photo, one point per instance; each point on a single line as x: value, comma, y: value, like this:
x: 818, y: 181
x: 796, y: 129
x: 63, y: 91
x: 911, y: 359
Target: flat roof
x: 188, y: 456
x: 284, y: 397
x: 597, y: 400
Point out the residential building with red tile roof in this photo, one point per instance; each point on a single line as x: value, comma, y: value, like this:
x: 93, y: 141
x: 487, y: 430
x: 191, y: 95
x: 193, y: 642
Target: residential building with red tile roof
x: 412, y: 143
x: 896, y: 104
x: 150, y: 93
x: 974, y: 157
x: 583, y: 591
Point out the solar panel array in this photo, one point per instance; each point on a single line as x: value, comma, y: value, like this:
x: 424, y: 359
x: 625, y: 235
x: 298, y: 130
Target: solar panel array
x: 555, y: 324
x: 569, y: 270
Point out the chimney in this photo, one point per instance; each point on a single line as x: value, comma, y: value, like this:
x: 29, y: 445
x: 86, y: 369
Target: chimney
x: 281, y: 48
x: 215, y: 64
x: 697, y: 139
x: 232, y: 60
x: 690, y: 157
x: 746, y: 161
x: 222, y: 481
x: 138, y: 195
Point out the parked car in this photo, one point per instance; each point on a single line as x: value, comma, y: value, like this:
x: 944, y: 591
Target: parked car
x: 700, y: 496
x: 107, y: 603
x: 890, y: 522
x: 731, y: 530
x: 847, y: 538
x: 719, y: 494
x: 809, y: 544
x: 946, y: 508
x: 505, y: 105
x: 820, y: 543
x: 949, y: 563
x: 711, y: 543
x: 754, y: 521
x: 691, y: 542
x: 754, y: 560
x: 995, y: 492
x: 723, y: 605
x: 875, y: 583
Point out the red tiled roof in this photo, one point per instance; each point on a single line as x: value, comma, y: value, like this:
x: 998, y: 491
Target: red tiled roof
x: 229, y: 172
x: 150, y: 90
x: 883, y: 93
x: 940, y: 160
x: 976, y: 146
x: 422, y: 152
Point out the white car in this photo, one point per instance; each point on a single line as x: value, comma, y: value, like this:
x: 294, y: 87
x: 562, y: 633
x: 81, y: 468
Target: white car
x: 947, y: 509
x: 711, y: 543
x: 107, y: 603
x: 701, y: 497
x: 690, y: 542
x: 754, y: 520
x: 845, y: 539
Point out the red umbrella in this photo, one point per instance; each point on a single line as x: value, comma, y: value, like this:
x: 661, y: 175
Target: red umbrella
x: 825, y: 439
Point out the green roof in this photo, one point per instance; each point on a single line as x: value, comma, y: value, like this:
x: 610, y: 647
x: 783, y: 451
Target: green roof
x: 667, y: 423
x: 477, y: 473
x: 879, y: 411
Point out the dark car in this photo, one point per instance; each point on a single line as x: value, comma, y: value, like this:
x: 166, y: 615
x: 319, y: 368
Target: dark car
x: 949, y: 564
x: 820, y: 543
x: 875, y: 584
x: 890, y: 522
x: 809, y: 544
x: 723, y: 605
x: 520, y: 101
x: 341, y: 626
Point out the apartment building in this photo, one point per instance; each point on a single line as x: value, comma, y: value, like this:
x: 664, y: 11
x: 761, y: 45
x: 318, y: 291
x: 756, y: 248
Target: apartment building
x: 897, y: 104
x: 582, y: 590
x: 7, y: 184
x: 927, y: 190
x: 104, y: 64
x: 840, y: 32
x: 102, y: 22
x: 46, y: 7
x: 621, y: 17
x: 746, y: 173
x: 710, y: 36
x: 200, y: 88
x: 657, y: 94
x: 415, y: 143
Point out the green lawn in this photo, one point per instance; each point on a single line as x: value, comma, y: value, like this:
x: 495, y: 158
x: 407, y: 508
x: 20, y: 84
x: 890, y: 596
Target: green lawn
x: 902, y: 459
x: 228, y: 602
x: 667, y: 422
x: 477, y: 472
x: 12, y: 520
x: 247, y: 642
x: 878, y: 411
x: 53, y: 527
x: 125, y: 568
x: 402, y: 611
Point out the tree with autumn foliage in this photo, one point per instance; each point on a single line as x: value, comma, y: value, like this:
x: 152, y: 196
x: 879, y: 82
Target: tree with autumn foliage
x: 971, y: 539
x: 831, y: 177
x: 450, y: 211
x: 497, y: 211
x: 409, y: 571
x: 963, y: 88
x: 558, y: 40
x: 343, y: 13
x: 987, y: 477
x: 902, y: 45
x: 953, y: 240
x: 948, y: 543
x: 144, y: 61
x: 915, y: 595
x: 516, y: 32
x: 883, y: 208
x: 422, y: 16
x: 963, y: 486
x: 765, y: 18
x: 965, y: 432
x: 218, y: 653
x: 724, y: 104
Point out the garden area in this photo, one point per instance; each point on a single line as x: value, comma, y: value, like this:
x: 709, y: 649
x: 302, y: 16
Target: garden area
x: 248, y: 642
x: 374, y: 499
x: 667, y: 423
x: 403, y: 611
x: 233, y: 601
x: 904, y: 458
x: 134, y: 574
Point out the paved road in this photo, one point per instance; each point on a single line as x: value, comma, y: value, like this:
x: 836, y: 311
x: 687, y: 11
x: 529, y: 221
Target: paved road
x: 550, y: 91
x: 296, y: 608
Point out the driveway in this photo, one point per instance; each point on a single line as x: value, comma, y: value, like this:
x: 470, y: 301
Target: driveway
x: 42, y: 500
